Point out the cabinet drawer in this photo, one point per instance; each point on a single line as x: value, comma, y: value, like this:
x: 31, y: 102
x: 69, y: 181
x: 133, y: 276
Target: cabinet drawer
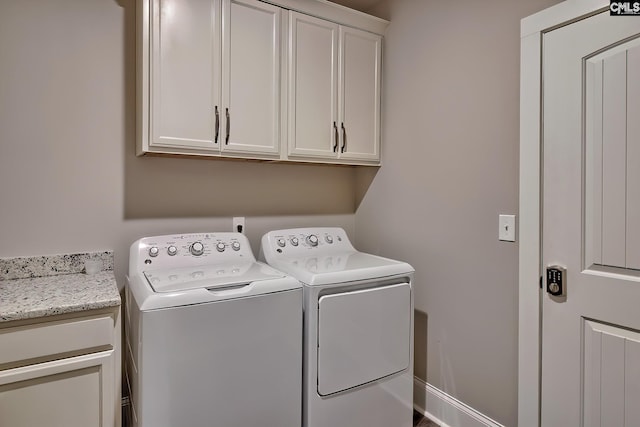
x: 50, y: 340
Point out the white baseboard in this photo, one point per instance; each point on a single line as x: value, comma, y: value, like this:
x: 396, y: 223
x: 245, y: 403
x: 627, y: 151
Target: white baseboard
x: 446, y: 410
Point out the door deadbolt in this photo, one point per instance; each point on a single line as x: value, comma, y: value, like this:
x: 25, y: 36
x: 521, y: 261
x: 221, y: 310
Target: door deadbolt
x: 556, y: 276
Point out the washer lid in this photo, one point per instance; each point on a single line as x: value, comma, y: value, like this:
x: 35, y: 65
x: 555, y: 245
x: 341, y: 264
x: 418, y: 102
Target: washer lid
x: 216, y: 276
x: 340, y: 267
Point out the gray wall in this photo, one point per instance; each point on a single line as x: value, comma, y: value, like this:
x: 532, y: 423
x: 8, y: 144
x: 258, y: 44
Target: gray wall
x: 69, y: 178
x: 450, y: 166
x: 70, y: 182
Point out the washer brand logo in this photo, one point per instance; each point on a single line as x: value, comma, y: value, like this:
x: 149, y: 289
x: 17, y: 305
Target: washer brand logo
x: 622, y: 8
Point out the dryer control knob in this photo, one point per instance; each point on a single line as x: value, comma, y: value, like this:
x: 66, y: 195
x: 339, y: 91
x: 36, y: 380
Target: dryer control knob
x: 312, y: 239
x: 328, y: 238
x: 197, y: 249
x: 172, y: 250
x: 220, y: 247
x: 294, y: 241
x: 153, y: 252
x: 281, y: 242
x: 235, y: 246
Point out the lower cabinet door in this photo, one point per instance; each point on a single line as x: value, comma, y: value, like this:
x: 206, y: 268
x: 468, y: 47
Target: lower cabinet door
x: 71, y: 392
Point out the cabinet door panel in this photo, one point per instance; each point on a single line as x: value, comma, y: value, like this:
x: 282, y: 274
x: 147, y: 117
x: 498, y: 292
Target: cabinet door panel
x: 312, y: 87
x: 360, y: 63
x: 184, y: 77
x: 74, y: 392
x: 251, y: 77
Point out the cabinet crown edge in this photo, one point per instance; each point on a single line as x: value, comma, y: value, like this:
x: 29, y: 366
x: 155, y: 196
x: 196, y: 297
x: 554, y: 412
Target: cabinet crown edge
x: 336, y: 13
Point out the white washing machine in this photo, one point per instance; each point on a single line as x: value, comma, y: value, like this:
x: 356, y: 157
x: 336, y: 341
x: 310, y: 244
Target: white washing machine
x: 214, y: 338
x: 358, y: 328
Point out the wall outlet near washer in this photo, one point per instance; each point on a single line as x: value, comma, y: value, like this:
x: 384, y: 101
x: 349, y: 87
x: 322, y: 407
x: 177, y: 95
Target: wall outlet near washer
x: 238, y: 224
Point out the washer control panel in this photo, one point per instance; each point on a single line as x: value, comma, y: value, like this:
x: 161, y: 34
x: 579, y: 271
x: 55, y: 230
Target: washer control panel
x: 183, y: 250
x: 298, y: 242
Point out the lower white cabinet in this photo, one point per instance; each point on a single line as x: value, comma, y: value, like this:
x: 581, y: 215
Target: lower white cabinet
x: 61, y: 373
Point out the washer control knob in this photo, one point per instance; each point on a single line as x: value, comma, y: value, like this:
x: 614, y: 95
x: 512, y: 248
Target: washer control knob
x: 312, y: 239
x: 328, y: 238
x: 153, y: 251
x: 220, y: 247
x: 281, y: 242
x: 235, y: 246
x: 294, y: 241
x: 172, y: 250
x: 197, y: 249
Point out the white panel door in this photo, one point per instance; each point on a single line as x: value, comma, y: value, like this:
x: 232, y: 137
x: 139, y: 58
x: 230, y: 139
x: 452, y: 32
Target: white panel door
x: 360, y: 63
x: 313, y: 87
x: 185, y: 77
x: 363, y: 336
x: 250, y: 120
x: 612, y: 157
x: 590, y: 338
x: 633, y: 161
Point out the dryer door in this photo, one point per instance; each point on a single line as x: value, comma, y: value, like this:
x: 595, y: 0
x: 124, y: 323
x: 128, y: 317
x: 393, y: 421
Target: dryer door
x: 363, y: 336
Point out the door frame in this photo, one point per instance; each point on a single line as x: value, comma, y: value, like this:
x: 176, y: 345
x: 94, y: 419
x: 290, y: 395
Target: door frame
x: 530, y: 296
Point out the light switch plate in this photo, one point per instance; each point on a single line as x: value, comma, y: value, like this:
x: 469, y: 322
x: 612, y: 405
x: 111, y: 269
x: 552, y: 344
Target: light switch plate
x: 507, y: 228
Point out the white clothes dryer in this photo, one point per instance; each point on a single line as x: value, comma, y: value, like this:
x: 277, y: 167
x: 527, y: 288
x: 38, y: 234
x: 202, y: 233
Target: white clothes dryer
x: 214, y: 338
x: 358, y: 328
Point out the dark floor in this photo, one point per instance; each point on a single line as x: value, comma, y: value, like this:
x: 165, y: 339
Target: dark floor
x: 420, y: 421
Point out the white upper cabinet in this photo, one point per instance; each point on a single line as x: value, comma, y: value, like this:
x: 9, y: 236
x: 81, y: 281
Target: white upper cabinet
x: 359, y: 105
x: 214, y: 78
x: 313, y: 87
x: 251, y: 78
x: 282, y: 80
x: 334, y: 92
x: 185, y: 74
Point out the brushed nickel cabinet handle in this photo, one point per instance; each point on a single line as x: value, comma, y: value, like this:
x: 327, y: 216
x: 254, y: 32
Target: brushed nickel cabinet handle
x: 344, y: 139
x: 226, y: 140
x: 335, y: 136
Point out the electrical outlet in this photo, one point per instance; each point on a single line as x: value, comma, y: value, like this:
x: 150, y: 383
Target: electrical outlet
x: 507, y: 228
x: 238, y: 224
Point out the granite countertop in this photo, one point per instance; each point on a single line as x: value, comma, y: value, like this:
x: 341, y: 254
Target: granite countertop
x: 56, y: 291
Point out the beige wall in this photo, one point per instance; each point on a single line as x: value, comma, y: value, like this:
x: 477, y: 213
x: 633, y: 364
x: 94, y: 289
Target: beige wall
x: 69, y: 179
x: 450, y: 156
